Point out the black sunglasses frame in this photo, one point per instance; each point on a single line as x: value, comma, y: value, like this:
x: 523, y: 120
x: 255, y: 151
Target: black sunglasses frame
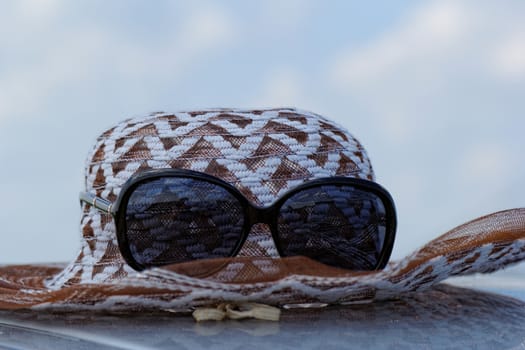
x: 253, y: 214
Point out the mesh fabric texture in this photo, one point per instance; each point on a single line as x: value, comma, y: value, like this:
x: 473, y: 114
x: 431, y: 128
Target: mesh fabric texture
x: 263, y: 153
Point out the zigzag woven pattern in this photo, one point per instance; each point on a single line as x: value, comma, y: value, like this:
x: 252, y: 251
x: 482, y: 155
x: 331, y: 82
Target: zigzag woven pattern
x: 263, y: 153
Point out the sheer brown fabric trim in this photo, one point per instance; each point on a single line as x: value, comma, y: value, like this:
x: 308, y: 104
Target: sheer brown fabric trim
x: 482, y: 245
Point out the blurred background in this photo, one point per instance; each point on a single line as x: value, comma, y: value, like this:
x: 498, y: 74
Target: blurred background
x: 435, y: 90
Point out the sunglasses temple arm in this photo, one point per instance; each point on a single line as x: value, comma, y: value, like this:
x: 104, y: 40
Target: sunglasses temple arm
x: 97, y: 202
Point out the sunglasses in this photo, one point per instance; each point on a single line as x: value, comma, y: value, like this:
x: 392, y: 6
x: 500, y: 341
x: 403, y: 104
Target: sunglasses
x: 170, y: 216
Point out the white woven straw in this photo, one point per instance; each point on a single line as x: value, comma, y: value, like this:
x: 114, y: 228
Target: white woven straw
x: 263, y: 153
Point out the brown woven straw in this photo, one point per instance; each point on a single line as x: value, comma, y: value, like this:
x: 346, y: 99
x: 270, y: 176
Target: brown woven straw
x: 263, y: 153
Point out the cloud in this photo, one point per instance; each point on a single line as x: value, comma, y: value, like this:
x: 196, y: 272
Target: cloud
x: 207, y: 28
x: 486, y: 163
x: 42, y: 58
x: 440, y: 51
x: 398, y: 75
x: 423, y: 35
x: 435, y: 38
x: 38, y: 10
x: 199, y: 33
x: 508, y: 58
x: 281, y: 87
x: 284, y: 17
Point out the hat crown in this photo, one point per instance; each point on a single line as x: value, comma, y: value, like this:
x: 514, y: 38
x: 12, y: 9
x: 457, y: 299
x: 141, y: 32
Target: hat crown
x: 263, y: 153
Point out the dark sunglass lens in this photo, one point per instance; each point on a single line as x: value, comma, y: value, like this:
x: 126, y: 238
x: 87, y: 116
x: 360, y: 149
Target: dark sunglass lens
x: 337, y: 225
x: 174, y: 219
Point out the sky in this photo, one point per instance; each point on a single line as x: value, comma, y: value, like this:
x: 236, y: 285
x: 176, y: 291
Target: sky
x: 435, y: 91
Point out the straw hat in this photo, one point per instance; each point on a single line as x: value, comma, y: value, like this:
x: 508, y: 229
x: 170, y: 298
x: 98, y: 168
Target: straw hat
x: 263, y: 154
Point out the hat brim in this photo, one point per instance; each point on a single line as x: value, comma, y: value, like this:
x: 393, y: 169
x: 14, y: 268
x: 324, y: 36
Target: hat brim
x: 483, y: 245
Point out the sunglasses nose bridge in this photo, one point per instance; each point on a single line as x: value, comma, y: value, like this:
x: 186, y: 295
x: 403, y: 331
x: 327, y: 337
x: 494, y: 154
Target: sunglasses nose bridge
x: 260, y: 215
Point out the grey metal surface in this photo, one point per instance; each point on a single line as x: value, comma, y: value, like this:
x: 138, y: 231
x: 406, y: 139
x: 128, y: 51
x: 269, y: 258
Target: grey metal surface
x: 445, y: 317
